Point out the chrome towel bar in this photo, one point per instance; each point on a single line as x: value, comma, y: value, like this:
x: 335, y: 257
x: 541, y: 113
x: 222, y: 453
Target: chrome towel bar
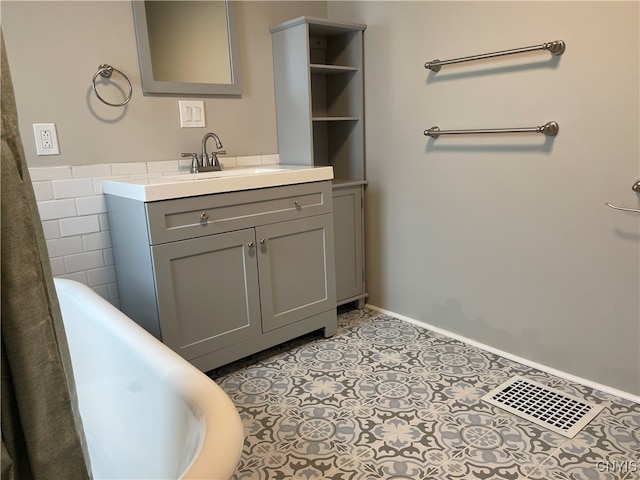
x: 624, y: 209
x: 636, y: 188
x: 549, y: 129
x: 556, y: 48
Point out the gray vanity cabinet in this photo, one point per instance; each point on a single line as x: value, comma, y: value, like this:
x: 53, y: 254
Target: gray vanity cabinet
x: 208, y: 292
x: 295, y: 262
x: 219, y: 277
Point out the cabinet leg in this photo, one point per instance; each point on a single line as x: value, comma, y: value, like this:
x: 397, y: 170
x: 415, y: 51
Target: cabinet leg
x: 360, y: 303
x: 330, y: 330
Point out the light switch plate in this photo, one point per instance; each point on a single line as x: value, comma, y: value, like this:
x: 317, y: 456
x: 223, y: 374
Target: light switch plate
x: 191, y: 113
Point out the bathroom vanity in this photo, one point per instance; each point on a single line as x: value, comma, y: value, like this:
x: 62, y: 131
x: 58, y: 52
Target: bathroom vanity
x: 219, y: 267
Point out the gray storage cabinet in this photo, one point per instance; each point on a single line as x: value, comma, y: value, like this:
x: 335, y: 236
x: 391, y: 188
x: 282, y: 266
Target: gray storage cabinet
x: 219, y: 277
x: 348, y: 211
x: 318, y: 76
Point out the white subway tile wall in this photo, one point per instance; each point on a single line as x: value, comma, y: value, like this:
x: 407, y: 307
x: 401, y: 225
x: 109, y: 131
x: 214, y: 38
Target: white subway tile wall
x: 74, y: 215
x: 270, y: 159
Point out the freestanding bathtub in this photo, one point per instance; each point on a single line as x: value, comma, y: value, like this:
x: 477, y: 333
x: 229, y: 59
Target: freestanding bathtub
x: 147, y: 413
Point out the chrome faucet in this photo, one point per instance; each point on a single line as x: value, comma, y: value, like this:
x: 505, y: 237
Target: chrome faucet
x: 203, y: 163
x: 211, y: 163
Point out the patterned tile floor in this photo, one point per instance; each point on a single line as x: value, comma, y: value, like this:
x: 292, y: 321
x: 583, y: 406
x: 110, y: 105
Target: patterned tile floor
x: 384, y: 399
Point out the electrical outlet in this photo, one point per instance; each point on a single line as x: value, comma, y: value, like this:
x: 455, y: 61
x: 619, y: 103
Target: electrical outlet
x: 46, y: 139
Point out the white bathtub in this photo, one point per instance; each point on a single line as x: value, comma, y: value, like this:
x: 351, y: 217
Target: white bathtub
x: 147, y: 413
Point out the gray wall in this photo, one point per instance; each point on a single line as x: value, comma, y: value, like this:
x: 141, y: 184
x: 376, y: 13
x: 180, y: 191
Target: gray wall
x: 506, y: 240
x: 54, y: 49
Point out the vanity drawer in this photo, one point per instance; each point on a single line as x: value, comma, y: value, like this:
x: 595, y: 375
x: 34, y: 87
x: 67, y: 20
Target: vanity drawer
x: 179, y: 219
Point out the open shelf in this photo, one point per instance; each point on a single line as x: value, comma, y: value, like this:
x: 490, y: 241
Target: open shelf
x: 322, y: 124
x: 335, y: 119
x: 322, y: 69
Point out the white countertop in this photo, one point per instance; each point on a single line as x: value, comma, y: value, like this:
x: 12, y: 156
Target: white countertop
x: 168, y: 186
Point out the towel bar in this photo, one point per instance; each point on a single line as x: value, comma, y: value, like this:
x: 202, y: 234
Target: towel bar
x: 556, y: 48
x: 636, y: 188
x: 549, y: 129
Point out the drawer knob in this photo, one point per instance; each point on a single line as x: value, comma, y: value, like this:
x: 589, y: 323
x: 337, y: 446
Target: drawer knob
x: 297, y: 203
x: 204, y: 216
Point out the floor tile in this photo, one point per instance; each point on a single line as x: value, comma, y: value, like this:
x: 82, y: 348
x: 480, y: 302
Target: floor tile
x: 386, y: 399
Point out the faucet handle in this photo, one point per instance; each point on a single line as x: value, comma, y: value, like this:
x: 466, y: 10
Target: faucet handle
x: 215, y: 162
x: 195, y: 163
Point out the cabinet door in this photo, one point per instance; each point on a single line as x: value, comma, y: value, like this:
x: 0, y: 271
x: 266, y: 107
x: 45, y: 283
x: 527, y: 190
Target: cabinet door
x: 207, y: 290
x: 296, y: 268
x: 347, y: 216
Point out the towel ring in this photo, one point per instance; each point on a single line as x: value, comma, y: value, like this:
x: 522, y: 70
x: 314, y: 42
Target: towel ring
x: 105, y: 71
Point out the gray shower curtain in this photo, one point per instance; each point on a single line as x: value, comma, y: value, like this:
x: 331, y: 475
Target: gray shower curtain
x: 42, y: 434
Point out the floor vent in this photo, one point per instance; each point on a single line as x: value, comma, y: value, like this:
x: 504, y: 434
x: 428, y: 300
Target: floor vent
x: 544, y: 406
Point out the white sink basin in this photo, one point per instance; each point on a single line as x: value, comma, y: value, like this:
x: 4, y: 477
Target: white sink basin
x: 165, y: 187
x: 224, y: 173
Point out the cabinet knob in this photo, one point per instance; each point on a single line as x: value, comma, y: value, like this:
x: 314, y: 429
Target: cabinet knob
x: 204, y: 216
x: 250, y: 244
x: 262, y: 241
x: 297, y: 203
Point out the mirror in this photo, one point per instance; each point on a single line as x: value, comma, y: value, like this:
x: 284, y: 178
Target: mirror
x: 187, y: 47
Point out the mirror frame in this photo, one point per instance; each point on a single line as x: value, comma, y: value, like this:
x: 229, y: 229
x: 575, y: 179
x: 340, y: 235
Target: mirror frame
x: 155, y: 87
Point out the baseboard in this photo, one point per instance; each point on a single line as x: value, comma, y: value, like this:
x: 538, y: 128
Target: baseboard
x: 558, y: 373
